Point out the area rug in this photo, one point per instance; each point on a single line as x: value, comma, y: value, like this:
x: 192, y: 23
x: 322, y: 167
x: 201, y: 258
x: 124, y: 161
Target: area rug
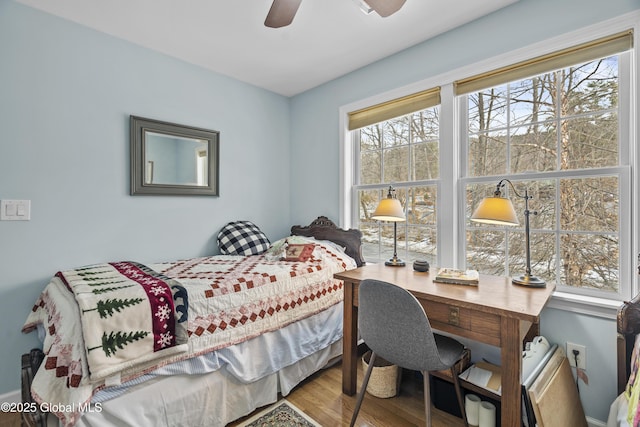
x: 280, y: 414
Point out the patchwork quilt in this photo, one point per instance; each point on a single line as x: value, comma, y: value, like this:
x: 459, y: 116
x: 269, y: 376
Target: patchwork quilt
x: 109, y: 323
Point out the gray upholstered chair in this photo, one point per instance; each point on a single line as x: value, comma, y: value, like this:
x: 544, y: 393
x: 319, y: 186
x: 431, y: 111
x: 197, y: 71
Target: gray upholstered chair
x: 395, y: 327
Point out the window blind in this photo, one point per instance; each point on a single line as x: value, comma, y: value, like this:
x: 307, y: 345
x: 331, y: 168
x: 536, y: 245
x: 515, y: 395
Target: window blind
x: 600, y: 48
x: 394, y: 108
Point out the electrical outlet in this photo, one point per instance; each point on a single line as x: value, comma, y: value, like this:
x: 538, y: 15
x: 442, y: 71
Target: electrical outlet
x: 582, y: 355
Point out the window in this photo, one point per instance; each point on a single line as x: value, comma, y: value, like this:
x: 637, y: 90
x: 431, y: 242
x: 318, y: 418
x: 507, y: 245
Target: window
x: 401, y: 152
x: 556, y: 135
x: 201, y: 166
x: 558, y: 126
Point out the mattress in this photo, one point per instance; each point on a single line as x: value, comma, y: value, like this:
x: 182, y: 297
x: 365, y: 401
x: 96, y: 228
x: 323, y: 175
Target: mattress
x: 255, y: 359
x: 216, y: 389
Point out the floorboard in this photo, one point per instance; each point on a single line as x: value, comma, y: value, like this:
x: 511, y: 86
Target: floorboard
x: 8, y: 419
x: 320, y: 396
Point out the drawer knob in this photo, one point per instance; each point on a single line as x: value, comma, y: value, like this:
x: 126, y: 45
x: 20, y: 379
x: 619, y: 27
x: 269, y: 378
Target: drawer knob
x: 454, y: 316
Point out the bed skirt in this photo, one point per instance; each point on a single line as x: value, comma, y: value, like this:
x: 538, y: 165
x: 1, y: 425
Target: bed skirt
x: 215, y: 389
x: 212, y: 400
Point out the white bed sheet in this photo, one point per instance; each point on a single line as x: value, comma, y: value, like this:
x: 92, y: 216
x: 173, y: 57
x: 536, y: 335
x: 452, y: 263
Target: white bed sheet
x: 219, y: 387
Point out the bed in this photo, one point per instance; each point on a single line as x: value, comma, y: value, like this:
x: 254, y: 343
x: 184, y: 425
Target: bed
x: 202, y: 341
x: 625, y: 410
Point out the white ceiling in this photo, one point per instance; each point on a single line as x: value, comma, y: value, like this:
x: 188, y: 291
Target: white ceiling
x: 327, y: 39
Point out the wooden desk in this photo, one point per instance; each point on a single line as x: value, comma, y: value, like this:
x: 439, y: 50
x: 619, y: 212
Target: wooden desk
x: 495, y: 312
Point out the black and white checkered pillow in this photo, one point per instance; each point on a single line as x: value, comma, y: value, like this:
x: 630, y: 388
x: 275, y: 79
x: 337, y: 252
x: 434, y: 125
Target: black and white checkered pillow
x: 242, y: 238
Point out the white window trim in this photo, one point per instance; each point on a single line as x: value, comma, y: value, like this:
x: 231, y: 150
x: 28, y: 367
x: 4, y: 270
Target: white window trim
x: 449, y: 253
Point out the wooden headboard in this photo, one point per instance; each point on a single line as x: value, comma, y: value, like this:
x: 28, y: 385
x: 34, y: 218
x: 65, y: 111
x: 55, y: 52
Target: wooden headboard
x: 322, y: 228
x: 628, y: 325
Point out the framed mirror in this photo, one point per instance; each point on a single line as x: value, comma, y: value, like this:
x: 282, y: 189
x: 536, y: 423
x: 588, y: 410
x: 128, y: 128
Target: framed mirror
x: 172, y: 159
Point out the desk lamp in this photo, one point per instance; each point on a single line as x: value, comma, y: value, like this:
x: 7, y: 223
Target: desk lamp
x: 390, y: 209
x: 499, y: 210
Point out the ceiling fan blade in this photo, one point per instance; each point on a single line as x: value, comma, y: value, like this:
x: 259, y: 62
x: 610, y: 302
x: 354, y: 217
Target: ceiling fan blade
x: 385, y: 8
x: 281, y: 13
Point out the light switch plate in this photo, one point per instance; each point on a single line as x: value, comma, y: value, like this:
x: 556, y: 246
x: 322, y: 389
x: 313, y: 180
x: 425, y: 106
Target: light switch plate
x: 15, y: 210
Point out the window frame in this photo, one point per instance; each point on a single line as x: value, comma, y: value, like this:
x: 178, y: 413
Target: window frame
x: 403, y: 227
x: 622, y: 171
x: 453, y: 153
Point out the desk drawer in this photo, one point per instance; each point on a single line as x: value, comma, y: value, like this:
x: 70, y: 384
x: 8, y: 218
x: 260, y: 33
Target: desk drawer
x: 463, y: 321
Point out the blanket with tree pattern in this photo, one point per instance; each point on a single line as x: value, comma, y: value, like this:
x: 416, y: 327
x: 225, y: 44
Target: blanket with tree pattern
x: 128, y: 315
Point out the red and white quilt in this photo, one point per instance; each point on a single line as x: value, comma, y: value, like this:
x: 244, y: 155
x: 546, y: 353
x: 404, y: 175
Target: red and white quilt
x: 224, y: 299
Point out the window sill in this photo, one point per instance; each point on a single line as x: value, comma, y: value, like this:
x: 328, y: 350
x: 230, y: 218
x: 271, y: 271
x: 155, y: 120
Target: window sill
x: 598, y: 307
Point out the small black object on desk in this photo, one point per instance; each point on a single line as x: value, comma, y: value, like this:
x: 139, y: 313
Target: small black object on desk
x: 421, y: 265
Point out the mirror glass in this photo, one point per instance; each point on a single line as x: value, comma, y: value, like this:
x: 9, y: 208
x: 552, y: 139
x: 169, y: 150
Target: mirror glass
x: 175, y: 160
x: 172, y: 159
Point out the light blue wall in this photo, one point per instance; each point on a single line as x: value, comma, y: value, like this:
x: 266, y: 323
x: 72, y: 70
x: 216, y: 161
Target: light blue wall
x: 315, y: 135
x: 599, y: 337
x: 65, y: 96
x: 66, y: 93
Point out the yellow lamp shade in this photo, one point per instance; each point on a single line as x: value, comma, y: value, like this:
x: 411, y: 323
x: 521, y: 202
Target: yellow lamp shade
x: 495, y: 210
x: 389, y: 209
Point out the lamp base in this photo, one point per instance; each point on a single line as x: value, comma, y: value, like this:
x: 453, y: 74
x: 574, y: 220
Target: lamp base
x: 526, y: 280
x: 395, y: 262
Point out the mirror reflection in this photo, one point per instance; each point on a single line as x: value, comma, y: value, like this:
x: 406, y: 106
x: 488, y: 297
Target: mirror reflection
x: 175, y: 160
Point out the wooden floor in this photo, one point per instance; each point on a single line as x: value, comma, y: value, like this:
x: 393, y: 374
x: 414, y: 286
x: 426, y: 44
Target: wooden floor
x: 320, y: 397
x: 9, y: 419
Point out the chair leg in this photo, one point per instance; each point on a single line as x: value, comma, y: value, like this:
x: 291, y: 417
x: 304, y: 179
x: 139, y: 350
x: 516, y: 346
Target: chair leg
x: 427, y: 398
x: 363, y: 389
x: 456, y: 385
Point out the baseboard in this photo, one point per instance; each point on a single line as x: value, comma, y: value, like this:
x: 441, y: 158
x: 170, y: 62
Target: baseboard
x: 592, y: 422
x: 12, y: 397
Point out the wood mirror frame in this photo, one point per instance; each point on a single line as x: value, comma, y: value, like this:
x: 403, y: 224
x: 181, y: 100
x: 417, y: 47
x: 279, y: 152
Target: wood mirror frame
x: 199, y: 174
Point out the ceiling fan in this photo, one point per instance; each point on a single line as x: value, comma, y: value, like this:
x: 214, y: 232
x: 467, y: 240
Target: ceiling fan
x: 282, y: 11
